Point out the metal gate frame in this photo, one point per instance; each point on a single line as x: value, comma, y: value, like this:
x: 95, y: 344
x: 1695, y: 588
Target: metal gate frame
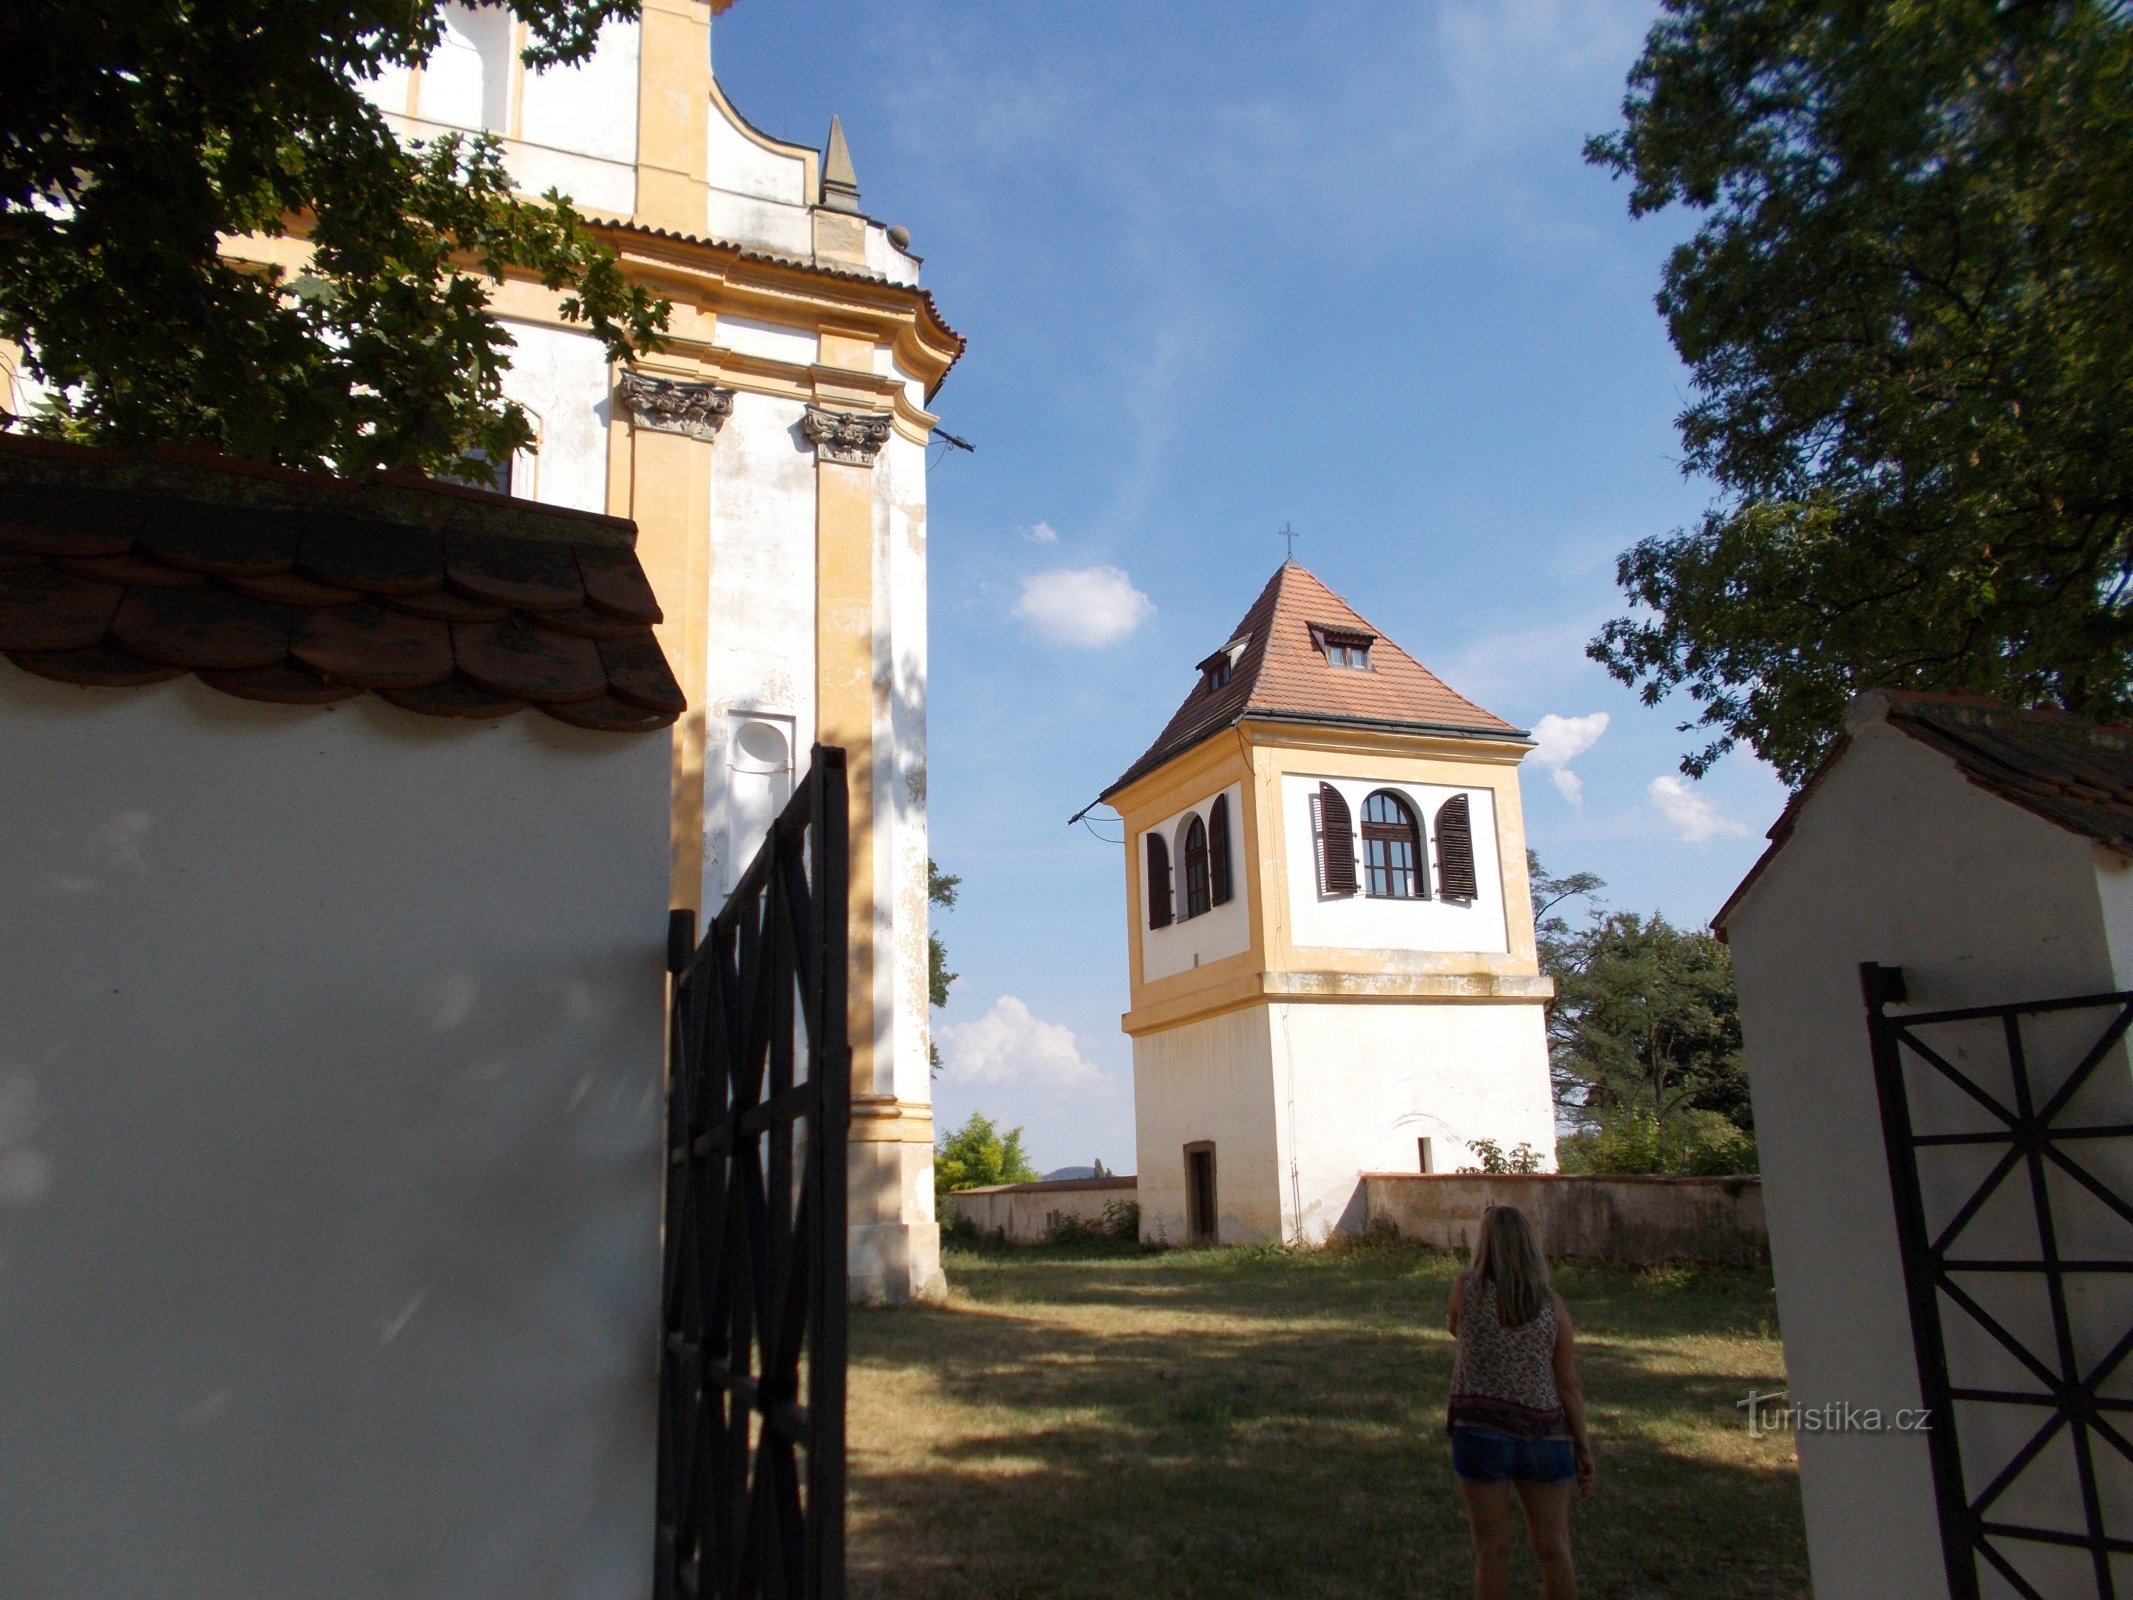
x: 2067, y: 1395
x: 754, y: 1291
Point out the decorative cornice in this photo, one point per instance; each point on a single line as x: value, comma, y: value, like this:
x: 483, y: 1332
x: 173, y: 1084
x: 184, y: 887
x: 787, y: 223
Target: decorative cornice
x: 675, y: 405
x: 852, y: 437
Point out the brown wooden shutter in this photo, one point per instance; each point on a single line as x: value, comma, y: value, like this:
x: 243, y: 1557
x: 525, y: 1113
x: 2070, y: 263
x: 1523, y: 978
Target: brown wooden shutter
x: 1218, y: 848
x: 1455, y: 851
x: 1336, y: 843
x: 1158, y: 882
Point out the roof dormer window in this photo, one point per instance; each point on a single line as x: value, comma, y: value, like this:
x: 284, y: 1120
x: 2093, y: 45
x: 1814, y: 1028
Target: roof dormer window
x: 1344, y: 647
x: 1220, y: 667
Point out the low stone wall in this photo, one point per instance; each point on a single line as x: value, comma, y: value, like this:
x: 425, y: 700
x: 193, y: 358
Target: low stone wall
x: 1024, y: 1212
x: 1609, y: 1219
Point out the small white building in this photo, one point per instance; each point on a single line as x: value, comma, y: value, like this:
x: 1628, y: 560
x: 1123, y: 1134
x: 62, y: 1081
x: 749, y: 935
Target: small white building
x: 1329, y: 929
x: 1988, y: 854
x: 333, y: 893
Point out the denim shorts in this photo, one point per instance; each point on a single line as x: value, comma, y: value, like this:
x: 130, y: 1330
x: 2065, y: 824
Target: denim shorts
x: 1482, y: 1455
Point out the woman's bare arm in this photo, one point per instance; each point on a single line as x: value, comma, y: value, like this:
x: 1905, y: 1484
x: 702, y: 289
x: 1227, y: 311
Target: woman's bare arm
x: 1572, y: 1393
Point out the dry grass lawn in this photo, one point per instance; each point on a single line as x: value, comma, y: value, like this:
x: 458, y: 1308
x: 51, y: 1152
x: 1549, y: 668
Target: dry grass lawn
x: 1112, y: 1423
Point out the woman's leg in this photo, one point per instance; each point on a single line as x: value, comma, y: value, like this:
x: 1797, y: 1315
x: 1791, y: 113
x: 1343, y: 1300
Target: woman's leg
x: 1548, y: 1530
x: 1488, y: 1516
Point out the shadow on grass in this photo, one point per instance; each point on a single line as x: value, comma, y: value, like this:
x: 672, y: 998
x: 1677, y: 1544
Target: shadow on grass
x: 1102, y: 1423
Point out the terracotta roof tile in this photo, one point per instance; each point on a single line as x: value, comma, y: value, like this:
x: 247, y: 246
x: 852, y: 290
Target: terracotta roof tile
x: 42, y: 608
x: 97, y: 666
x: 373, y: 648
x: 227, y: 541
x: 119, y: 570
x: 538, y: 664
x: 374, y: 560
x: 518, y: 573
x: 1280, y: 671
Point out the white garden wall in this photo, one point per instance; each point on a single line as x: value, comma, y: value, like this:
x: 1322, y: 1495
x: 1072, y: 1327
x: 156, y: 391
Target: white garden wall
x: 329, y: 1173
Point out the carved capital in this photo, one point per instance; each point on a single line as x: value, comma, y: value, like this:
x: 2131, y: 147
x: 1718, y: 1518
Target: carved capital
x: 674, y: 405
x: 852, y: 437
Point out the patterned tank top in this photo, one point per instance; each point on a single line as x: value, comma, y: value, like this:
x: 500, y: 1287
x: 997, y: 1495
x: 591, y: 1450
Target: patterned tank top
x: 1504, y: 1378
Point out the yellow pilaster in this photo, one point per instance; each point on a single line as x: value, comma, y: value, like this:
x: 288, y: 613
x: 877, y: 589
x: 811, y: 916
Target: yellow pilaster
x: 844, y: 714
x: 665, y: 481
x: 673, y: 101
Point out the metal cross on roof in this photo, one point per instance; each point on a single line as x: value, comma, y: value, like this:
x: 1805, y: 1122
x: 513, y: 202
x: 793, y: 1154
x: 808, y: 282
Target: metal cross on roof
x: 1291, y: 535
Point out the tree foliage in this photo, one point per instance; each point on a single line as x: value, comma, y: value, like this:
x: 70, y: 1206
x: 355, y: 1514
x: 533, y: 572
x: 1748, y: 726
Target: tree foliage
x: 978, y: 1154
x: 1908, y: 314
x: 940, y: 891
x: 138, y: 142
x: 1644, y: 1039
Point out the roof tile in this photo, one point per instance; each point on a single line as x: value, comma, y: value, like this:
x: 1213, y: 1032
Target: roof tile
x: 371, y: 647
x: 97, y: 666
x: 209, y: 587
x: 42, y: 608
x: 638, y: 673
x: 375, y: 560
x: 229, y: 541
x: 614, y: 583
x: 523, y: 574
x: 285, y: 684
x: 509, y: 658
x: 608, y: 715
x: 456, y: 698
x: 200, y: 626
x: 1280, y: 671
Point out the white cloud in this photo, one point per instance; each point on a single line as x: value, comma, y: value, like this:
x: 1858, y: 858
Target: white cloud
x: 1043, y: 533
x: 1087, y: 607
x: 1695, y: 820
x: 1558, y: 741
x: 1010, y: 1044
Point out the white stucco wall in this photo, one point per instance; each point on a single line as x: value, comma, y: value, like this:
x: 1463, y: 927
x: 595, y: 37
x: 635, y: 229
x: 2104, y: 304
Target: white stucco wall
x: 329, y: 1175
x: 900, y: 794
x: 561, y: 377
x: 1210, y: 1079
x: 1895, y: 858
x: 1221, y: 930
x: 1359, y: 920
x: 761, y: 632
x: 1360, y: 1082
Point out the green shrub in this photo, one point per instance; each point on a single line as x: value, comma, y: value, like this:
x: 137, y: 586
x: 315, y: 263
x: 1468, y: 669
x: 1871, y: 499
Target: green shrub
x: 1522, y: 1161
x: 1696, y: 1144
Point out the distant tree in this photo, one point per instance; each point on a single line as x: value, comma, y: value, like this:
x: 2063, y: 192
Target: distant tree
x: 137, y: 141
x: 1646, y: 1034
x: 940, y: 891
x: 1561, y: 946
x: 1907, y: 312
x: 976, y: 1155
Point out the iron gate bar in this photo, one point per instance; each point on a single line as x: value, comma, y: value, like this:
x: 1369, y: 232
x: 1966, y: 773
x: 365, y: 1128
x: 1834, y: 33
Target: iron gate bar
x: 754, y: 1281
x: 2068, y: 1394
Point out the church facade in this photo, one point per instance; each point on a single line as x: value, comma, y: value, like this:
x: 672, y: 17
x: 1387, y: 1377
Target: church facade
x: 1329, y: 928
x: 772, y: 453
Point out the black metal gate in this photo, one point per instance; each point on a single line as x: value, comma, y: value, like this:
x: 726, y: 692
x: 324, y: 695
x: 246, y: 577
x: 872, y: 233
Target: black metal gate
x: 751, y: 1382
x: 2058, y: 1379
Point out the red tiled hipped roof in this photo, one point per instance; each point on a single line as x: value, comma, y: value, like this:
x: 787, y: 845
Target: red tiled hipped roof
x: 2075, y: 774
x: 1281, y: 672
x: 118, y: 570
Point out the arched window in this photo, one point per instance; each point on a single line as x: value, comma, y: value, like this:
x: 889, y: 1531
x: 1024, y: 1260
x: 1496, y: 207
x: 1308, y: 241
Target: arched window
x: 1196, y: 900
x: 1392, y: 849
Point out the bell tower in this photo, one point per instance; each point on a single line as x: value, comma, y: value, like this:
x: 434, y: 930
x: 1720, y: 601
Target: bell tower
x: 1329, y: 928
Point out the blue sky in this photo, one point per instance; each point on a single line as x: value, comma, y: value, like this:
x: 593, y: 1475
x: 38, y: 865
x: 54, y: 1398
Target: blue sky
x: 1225, y: 267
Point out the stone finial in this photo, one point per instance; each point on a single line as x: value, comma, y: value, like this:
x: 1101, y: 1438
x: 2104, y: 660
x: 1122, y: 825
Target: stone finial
x: 840, y: 184
x: 675, y: 405
x: 853, y: 437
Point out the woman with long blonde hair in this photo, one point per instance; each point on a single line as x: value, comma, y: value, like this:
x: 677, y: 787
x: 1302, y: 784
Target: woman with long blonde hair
x: 1517, y: 1414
